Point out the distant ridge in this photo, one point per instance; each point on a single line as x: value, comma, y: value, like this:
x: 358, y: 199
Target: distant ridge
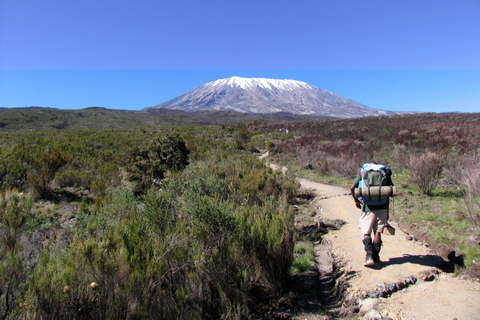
x: 267, y: 96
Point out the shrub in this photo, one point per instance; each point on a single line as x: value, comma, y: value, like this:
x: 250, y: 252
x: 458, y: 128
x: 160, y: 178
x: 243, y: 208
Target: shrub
x: 425, y: 170
x: 73, y: 178
x: 14, y: 208
x: 150, y: 164
x: 269, y: 145
x: 303, y: 256
x: 44, y: 170
x: 465, y: 172
x: 187, y: 250
x: 471, y: 190
x: 13, y: 173
x: 241, y: 137
x: 266, y: 233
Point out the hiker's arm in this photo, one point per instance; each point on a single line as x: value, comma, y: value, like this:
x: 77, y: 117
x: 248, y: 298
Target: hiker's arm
x: 354, y: 185
x: 358, y: 204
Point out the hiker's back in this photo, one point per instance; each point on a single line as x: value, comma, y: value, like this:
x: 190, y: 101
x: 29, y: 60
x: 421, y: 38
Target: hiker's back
x: 374, y: 175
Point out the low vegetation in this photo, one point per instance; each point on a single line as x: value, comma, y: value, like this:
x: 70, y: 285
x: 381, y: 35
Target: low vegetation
x: 183, y: 221
x: 434, y: 158
x: 141, y: 224
x: 38, y: 118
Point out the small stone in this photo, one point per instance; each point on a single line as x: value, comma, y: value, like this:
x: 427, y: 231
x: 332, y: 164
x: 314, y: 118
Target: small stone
x: 353, y: 309
x: 400, y: 285
x: 367, y: 306
x: 430, y: 277
x: 373, y: 315
x: 374, y: 294
x: 410, y: 280
x: 391, y: 287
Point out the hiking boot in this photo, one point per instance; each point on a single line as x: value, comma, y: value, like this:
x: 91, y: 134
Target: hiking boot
x: 376, y: 250
x: 369, y: 261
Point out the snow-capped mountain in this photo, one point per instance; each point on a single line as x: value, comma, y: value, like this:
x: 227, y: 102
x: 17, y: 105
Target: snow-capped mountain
x: 259, y: 95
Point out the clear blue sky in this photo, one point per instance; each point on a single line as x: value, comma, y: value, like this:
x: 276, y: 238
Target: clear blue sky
x: 394, y: 55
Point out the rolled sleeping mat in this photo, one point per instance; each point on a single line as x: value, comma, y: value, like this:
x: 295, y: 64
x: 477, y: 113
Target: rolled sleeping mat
x: 375, y: 192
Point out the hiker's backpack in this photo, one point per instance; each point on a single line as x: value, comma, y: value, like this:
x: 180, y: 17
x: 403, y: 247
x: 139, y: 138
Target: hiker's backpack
x: 373, y: 175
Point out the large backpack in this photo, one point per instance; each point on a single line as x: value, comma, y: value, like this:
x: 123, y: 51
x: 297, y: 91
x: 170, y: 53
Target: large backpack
x: 373, y: 175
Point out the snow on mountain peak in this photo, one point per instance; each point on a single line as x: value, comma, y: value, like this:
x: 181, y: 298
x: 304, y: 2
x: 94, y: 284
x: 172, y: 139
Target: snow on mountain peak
x: 245, y: 83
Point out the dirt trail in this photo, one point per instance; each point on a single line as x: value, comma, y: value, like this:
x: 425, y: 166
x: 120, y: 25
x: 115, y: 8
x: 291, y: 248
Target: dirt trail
x: 407, y: 285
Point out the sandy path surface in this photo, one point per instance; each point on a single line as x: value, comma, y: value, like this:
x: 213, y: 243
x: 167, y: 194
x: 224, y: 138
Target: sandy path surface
x: 443, y: 296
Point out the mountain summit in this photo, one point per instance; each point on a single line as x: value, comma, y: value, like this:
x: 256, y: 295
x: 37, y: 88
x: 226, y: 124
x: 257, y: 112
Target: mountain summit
x: 259, y: 95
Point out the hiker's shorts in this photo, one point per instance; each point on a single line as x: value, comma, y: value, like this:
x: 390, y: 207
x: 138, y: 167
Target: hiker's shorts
x: 374, y: 220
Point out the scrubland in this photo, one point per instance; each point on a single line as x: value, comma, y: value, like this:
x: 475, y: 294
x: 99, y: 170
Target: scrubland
x: 185, y: 221
x: 435, y: 164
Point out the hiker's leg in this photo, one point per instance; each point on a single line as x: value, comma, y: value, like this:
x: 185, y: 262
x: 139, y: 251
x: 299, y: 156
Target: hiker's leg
x: 380, y: 223
x: 369, y: 258
x: 367, y: 221
x: 376, y: 246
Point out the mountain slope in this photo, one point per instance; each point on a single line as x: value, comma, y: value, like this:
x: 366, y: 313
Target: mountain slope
x: 259, y: 95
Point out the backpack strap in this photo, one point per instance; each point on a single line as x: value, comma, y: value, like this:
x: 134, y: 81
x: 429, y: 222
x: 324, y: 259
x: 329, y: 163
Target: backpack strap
x: 381, y: 184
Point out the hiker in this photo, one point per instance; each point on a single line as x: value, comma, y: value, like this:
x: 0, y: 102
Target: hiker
x: 374, y: 213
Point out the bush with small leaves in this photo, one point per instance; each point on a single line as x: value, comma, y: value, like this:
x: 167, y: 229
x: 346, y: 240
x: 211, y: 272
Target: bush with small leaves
x: 44, y: 170
x: 149, y: 165
x: 14, y: 209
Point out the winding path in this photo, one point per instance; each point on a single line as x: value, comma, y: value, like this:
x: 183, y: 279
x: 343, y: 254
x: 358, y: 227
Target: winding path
x: 415, y: 288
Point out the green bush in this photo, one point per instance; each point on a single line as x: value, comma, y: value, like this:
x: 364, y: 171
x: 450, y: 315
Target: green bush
x: 303, y: 256
x: 189, y: 250
x: 201, y: 242
x: 44, y: 171
x: 149, y: 165
x: 14, y: 209
x: 74, y: 178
